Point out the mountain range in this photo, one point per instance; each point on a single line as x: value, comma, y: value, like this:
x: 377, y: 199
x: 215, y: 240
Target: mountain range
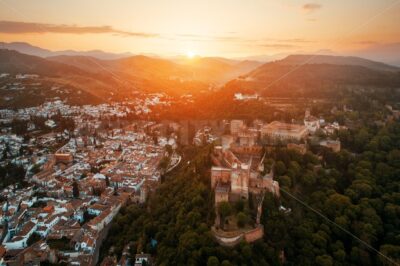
x: 119, y: 77
x: 29, y: 49
x: 302, y: 59
x: 306, y: 75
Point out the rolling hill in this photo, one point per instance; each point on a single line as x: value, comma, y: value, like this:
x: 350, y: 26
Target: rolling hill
x: 305, y: 75
x: 119, y: 78
x: 200, y: 69
x: 13, y: 62
x: 296, y: 75
x: 336, y: 60
x: 216, y: 69
x: 141, y: 68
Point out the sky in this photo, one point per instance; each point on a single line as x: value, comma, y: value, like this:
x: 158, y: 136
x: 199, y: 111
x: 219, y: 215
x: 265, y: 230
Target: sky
x: 228, y: 28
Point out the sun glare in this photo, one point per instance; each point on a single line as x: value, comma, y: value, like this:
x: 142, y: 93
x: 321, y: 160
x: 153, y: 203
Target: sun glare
x: 190, y: 54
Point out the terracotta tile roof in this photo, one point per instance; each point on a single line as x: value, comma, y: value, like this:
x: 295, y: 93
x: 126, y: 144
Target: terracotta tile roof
x: 26, y: 228
x: 2, y: 251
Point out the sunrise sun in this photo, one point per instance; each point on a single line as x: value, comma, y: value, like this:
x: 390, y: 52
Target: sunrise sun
x: 190, y: 54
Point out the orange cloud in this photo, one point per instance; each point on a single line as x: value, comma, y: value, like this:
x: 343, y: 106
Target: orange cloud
x: 17, y: 27
x: 311, y: 7
x: 280, y: 46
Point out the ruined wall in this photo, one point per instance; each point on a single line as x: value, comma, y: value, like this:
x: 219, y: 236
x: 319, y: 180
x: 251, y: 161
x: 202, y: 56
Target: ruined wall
x: 233, y: 238
x: 253, y: 235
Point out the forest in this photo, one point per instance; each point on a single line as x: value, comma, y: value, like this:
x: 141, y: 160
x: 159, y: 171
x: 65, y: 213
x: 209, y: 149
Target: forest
x: 341, y: 208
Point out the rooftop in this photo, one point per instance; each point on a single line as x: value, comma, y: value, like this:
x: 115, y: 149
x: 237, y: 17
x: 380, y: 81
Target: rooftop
x: 284, y: 127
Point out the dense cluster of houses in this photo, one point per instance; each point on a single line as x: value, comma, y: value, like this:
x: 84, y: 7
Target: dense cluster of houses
x: 77, y: 193
x: 79, y: 223
x: 64, y: 213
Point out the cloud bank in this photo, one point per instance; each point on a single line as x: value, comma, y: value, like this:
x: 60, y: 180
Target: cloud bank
x: 17, y: 27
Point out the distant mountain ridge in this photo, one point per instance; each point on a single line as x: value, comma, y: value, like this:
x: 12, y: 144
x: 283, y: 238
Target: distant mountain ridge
x: 99, y: 85
x: 29, y: 49
x: 388, y: 53
x: 204, y: 69
x: 299, y: 59
x: 120, y: 78
x: 308, y: 75
x: 15, y: 62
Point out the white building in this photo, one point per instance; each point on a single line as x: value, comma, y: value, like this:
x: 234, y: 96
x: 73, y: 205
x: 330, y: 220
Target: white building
x: 284, y: 131
x: 20, y: 240
x: 311, y: 123
x: 236, y: 126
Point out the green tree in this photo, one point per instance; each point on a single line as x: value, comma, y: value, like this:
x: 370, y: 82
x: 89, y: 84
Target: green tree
x: 280, y: 168
x: 224, y: 209
x: 241, y: 219
x: 212, y: 261
x: 239, y: 205
x: 226, y: 263
x: 324, y: 260
x: 75, y: 189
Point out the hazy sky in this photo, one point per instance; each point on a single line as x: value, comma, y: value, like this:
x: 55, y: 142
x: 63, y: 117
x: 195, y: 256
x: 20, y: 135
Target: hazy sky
x: 231, y: 28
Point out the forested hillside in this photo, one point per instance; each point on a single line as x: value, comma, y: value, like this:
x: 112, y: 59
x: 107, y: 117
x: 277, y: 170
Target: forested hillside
x: 344, y: 206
